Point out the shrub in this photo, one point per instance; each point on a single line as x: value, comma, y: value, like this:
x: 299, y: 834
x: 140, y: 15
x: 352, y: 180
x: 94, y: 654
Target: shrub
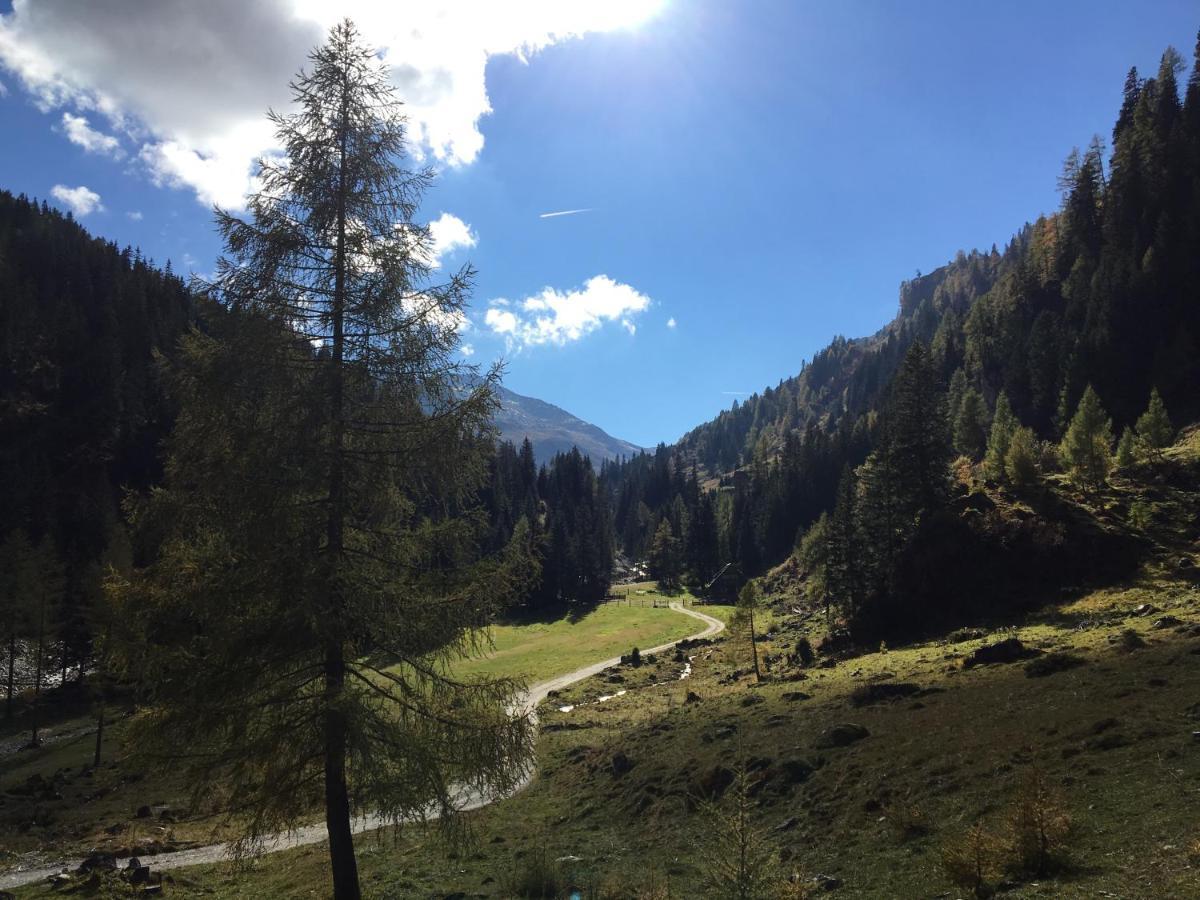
x: 535, y: 875
x: 737, y: 861
x: 972, y: 860
x: 1140, y: 515
x: 1038, y: 825
x: 804, y: 652
x: 907, y: 818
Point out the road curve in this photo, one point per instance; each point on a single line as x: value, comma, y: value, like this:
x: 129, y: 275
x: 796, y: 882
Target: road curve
x: 314, y: 834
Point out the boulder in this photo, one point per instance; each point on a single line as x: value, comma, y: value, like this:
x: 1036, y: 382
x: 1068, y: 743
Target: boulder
x: 98, y: 861
x: 881, y: 692
x: 842, y: 735
x: 1009, y: 650
x: 621, y: 764
x: 1052, y: 663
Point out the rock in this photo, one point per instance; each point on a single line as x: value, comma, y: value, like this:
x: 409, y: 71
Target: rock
x: 98, y: 861
x: 713, y: 783
x: 143, y: 812
x: 795, y: 771
x: 827, y: 882
x: 752, y: 700
x: 1051, y: 664
x: 1166, y: 622
x: 1129, y: 641
x: 139, y: 875
x: 1145, y: 609
x: 793, y: 696
x: 842, y: 735
x: 621, y: 764
x: 692, y: 697
x: 787, y: 824
x: 881, y: 692
x: 1006, y: 651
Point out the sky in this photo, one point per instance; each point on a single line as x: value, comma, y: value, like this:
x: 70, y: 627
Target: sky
x: 670, y: 204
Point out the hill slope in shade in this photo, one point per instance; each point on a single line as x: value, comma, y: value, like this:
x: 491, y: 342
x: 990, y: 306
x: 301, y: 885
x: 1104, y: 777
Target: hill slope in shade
x: 553, y: 430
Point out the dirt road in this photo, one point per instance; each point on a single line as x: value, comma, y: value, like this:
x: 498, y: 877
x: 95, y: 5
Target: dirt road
x: 314, y: 834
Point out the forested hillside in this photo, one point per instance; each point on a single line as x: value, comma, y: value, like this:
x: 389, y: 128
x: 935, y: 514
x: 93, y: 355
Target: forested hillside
x: 1104, y: 292
x: 82, y: 412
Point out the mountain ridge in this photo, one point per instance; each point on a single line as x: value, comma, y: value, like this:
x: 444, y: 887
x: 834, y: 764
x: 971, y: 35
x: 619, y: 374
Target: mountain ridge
x: 552, y: 429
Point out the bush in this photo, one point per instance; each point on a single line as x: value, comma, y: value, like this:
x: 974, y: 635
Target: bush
x: 972, y: 860
x: 804, y: 652
x: 535, y: 875
x: 1140, y: 515
x: 1038, y: 825
x: 907, y: 818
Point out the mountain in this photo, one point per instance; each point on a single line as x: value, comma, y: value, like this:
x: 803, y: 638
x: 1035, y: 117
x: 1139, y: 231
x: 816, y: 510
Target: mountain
x: 553, y: 430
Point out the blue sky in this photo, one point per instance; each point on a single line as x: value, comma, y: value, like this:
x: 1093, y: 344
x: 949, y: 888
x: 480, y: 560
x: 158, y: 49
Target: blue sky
x: 760, y: 174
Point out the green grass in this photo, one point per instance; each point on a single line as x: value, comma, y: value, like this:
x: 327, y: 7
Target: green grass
x: 542, y: 650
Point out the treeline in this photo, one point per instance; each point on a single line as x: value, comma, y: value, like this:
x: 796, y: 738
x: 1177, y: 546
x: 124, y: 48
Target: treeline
x: 85, y: 330
x: 1105, y: 292
x: 569, y: 520
x: 82, y: 414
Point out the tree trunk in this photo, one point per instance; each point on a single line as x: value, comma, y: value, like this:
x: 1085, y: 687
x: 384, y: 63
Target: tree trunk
x: 12, y: 662
x: 754, y: 648
x: 99, y: 736
x: 37, y: 671
x: 337, y: 799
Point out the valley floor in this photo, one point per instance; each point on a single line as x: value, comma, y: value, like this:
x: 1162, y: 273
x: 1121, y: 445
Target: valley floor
x: 613, y: 810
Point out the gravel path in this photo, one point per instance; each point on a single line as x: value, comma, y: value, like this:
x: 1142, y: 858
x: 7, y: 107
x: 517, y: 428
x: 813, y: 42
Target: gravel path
x: 314, y: 834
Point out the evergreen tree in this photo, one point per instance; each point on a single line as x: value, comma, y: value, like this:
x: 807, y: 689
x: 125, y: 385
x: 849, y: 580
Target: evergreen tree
x: 970, y: 425
x: 1004, y: 423
x: 1020, y: 463
x: 18, y: 584
x: 1086, y: 448
x: 1126, y: 455
x: 742, y: 622
x: 1154, y: 426
x: 666, y: 558
x: 318, y: 563
x: 915, y: 432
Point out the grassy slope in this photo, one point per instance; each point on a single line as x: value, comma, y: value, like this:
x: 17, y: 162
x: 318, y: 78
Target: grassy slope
x: 539, y: 650
x: 1115, y: 735
x: 955, y: 755
x: 75, y: 810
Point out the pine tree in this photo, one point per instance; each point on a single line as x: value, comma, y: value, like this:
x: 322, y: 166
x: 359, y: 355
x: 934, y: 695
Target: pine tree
x: 17, y: 607
x: 1126, y: 446
x: 1154, y: 426
x: 1020, y: 463
x: 1004, y: 423
x: 738, y: 861
x: 317, y: 565
x: 1086, y: 448
x: 970, y: 425
x: 743, y: 620
x: 666, y: 558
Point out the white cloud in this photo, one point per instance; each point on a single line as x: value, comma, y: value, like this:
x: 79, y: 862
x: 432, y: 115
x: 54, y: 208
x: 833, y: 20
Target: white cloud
x: 3, y: 89
x: 671, y: 322
x: 78, y: 131
x: 450, y: 233
x: 135, y: 215
x: 190, y: 82
x: 557, y: 317
x: 467, y: 350
x: 80, y: 200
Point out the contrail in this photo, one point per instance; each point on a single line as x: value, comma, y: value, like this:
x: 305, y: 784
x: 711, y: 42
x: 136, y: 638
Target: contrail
x: 564, y: 212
